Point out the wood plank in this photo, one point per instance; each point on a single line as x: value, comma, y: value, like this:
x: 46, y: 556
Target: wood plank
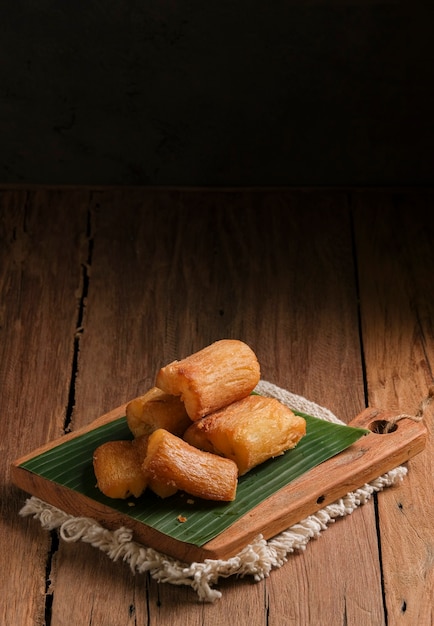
x: 394, y: 235
x: 173, y: 271
x: 317, y: 347
x: 41, y: 252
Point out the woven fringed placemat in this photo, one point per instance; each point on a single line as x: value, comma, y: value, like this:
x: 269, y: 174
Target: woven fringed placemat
x: 257, y: 559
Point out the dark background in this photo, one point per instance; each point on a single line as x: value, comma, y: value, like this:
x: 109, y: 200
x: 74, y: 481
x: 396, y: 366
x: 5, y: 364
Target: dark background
x: 216, y: 93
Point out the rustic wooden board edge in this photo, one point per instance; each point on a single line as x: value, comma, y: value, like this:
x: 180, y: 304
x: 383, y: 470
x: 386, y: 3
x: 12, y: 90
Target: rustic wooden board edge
x: 365, y: 460
x: 371, y: 456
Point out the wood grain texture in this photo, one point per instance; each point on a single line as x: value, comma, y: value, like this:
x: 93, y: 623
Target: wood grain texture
x: 40, y: 272
x: 394, y: 241
x: 334, y: 298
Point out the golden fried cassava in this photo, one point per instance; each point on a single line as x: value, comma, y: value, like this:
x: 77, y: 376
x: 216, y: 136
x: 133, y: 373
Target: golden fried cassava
x: 249, y: 431
x: 118, y: 468
x: 156, y: 409
x: 212, y: 378
x: 171, y: 461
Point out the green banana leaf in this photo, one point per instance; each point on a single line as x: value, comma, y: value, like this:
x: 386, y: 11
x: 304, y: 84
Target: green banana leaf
x: 70, y: 464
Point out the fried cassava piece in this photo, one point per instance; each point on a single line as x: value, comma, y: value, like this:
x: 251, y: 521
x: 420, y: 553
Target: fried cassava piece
x: 173, y: 462
x: 249, y: 431
x: 118, y: 468
x: 211, y: 378
x: 156, y: 409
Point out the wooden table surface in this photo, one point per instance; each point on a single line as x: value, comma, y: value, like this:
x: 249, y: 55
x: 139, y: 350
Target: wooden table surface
x: 333, y: 289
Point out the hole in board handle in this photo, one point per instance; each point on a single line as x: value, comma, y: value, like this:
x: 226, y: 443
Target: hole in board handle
x: 382, y: 427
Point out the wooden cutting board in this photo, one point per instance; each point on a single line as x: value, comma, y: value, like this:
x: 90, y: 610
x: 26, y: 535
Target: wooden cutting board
x: 371, y: 456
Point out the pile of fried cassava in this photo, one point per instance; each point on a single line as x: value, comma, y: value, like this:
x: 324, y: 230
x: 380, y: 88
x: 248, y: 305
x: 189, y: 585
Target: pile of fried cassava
x: 198, y: 429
